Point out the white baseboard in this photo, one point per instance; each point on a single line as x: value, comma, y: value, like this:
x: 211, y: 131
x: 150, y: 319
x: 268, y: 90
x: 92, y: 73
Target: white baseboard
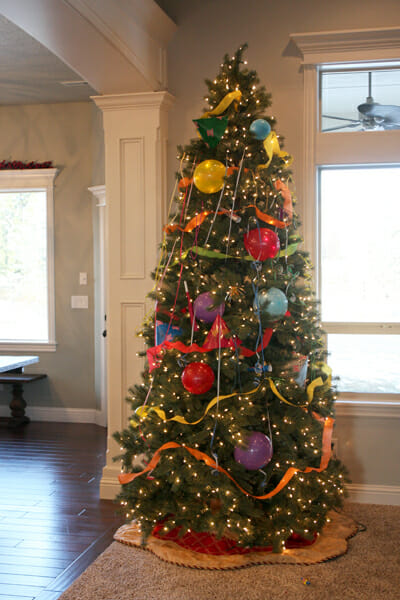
x: 374, y: 494
x: 61, y: 414
x: 109, y: 485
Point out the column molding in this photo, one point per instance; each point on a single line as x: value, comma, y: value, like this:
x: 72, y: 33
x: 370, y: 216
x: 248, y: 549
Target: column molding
x: 135, y: 133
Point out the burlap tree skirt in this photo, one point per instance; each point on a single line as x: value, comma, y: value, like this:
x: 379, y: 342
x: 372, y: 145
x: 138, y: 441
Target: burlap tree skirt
x: 330, y: 543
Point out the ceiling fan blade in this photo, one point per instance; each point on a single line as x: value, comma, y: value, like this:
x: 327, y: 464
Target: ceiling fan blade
x: 340, y: 118
x: 350, y: 125
x: 387, y: 125
x: 389, y: 112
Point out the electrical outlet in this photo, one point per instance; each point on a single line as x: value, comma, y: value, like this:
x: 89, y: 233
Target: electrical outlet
x: 79, y: 302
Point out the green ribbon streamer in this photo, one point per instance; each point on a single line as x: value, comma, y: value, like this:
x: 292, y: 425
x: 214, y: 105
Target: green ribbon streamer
x: 291, y: 249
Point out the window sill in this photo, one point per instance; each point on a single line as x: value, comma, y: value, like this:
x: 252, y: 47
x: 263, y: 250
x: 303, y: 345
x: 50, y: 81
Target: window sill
x: 376, y: 407
x: 28, y: 346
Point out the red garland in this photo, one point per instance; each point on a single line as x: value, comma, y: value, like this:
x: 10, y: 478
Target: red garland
x: 19, y: 164
x: 206, y: 543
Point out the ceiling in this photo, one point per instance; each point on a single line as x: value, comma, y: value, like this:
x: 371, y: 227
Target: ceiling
x: 31, y: 74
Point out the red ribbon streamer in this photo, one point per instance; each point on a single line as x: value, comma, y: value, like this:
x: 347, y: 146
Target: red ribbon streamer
x: 211, y: 343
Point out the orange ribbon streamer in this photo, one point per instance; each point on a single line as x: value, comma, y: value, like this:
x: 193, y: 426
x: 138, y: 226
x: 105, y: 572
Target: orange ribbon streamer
x: 200, y: 218
x: 125, y: 478
x: 195, y: 222
x: 268, y: 219
x: 287, y: 197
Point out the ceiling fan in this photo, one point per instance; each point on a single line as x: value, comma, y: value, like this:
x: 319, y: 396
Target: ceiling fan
x: 372, y: 115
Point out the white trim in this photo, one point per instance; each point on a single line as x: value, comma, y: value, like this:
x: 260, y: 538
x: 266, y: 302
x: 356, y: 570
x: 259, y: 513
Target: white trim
x: 374, y: 494
x: 27, y: 346
x: 139, y: 101
x: 375, y: 409
x: 309, y: 187
x: 27, y: 178
x: 99, y: 192
x: 109, y: 485
x: 59, y: 414
x: 348, y: 46
x: 361, y: 328
x: 36, y: 179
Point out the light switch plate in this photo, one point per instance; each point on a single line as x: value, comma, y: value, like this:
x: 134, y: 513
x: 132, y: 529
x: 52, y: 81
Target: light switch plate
x: 79, y: 302
x: 82, y: 278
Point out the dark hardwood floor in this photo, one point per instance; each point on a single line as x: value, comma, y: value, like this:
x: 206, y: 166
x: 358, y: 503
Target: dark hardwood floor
x: 52, y: 522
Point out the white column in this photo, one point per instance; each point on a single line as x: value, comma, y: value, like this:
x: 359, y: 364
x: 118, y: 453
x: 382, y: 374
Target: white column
x: 100, y: 307
x: 135, y: 131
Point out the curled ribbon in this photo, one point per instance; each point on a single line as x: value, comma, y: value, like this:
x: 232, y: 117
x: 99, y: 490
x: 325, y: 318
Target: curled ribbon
x: 211, y: 343
x: 143, y: 411
x: 291, y: 249
x: 318, y: 382
x: 223, y: 105
x: 201, y: 217
x: 196, y: 221
x: 271, y: 147
x: 283, y: 189
x: 268, y: 219
x: 125, y: 478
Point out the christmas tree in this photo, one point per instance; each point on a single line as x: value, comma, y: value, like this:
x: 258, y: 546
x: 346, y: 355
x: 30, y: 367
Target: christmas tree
x: 231, y: 426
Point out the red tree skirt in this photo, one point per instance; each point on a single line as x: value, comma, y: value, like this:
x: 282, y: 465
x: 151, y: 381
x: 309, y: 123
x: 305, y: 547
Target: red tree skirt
x: 206, y: 543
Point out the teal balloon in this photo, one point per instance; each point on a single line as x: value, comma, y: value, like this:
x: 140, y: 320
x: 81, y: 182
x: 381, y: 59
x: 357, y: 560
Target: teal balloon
x: 272, y: 302
x: 260, y: 128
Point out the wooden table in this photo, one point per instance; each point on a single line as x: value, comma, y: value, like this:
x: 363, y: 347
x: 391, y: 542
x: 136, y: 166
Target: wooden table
x: 12, y: 372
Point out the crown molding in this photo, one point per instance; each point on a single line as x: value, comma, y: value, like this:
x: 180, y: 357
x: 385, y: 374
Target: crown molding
x: 349, y: 45
x: 139, y: 101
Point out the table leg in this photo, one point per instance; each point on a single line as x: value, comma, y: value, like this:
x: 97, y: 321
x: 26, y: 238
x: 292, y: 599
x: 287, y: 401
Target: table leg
x: 17, y: 407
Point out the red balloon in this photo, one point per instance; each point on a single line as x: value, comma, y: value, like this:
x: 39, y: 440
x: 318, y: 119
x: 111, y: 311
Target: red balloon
x: 197, y: 378
x: 261, y: 243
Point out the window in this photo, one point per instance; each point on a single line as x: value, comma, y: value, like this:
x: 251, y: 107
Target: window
x: 363, y: 98
x: 359, y: 260
x: 352, y: 204
x: 27, y: 316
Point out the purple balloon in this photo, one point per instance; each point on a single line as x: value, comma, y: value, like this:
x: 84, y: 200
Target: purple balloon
x: 256, y: 453
x: 203, y: 303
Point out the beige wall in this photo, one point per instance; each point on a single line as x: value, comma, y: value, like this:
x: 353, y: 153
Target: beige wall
x: 65, y: 134
x: 207, y: 29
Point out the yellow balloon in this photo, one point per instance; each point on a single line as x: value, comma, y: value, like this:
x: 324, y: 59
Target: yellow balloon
x: 209, y: 176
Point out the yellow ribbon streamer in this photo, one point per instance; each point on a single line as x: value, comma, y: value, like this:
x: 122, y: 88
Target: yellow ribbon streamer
x: 223, y: 105
x: 143, y: 411
x: 271, y: 147
x: 318, y: 382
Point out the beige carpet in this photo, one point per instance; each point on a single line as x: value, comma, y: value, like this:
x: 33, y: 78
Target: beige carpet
x: 369, y: 571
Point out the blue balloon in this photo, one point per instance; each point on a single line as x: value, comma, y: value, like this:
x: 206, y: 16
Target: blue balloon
x: 260, y: 128
x: 273, y: 303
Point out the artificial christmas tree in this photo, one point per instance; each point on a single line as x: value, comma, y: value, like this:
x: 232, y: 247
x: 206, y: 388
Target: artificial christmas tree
x: 233, y: 420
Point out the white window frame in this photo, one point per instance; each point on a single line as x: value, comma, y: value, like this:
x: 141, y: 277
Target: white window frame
x: 36, y: 180
x: 343, y: 148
